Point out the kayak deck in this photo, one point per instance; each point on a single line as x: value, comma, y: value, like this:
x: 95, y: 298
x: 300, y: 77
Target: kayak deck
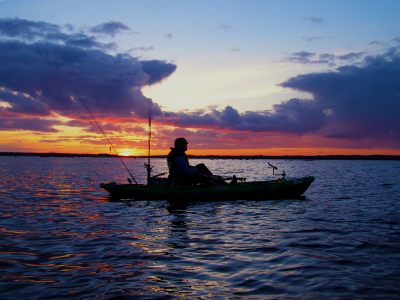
x: 257, y: 190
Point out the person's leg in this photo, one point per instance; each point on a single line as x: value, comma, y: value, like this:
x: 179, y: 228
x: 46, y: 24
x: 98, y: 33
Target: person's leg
x: 203, y: 169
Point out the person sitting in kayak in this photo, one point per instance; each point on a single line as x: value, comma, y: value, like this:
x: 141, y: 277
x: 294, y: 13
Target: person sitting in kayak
x: 179, y: 167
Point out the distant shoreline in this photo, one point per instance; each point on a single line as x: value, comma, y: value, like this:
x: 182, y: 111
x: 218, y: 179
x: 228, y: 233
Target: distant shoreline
x: 239, y: 157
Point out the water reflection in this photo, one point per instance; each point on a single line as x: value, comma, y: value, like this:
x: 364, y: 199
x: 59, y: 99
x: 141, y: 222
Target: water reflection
x: 178, y: 226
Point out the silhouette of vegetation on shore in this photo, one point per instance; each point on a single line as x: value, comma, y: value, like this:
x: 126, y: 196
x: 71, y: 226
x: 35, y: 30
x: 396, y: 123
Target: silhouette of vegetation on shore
x: 243, y: 157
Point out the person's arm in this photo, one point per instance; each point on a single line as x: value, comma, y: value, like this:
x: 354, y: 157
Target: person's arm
x: 183, y: 166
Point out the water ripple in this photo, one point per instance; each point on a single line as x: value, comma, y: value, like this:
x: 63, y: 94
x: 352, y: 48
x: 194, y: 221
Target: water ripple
x: 64, y: 238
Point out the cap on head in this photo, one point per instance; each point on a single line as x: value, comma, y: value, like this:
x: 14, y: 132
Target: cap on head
x: 180, y: 142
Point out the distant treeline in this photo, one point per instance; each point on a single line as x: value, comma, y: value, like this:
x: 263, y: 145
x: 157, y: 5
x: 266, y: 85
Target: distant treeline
x: 301, y: 157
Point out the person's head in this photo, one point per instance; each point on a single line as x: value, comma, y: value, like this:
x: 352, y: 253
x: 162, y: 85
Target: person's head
x: 181, y: 143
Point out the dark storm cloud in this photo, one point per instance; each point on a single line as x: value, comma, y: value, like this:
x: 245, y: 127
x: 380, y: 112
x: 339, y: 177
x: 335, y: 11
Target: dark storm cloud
x: 359, y: 101
x: 111, y: 28
x: 39, y: 61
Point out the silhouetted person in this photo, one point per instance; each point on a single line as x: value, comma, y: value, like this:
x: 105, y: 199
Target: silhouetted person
x: 179, y: 167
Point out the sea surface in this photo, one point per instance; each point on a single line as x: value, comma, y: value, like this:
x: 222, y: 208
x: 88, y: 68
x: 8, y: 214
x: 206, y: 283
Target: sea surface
x: 62, y: 237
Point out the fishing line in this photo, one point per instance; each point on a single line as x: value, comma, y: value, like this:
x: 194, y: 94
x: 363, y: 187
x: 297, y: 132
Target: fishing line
x: 101, y: 130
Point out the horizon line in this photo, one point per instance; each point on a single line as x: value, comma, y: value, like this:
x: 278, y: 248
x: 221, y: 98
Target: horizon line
x: 55, y: 154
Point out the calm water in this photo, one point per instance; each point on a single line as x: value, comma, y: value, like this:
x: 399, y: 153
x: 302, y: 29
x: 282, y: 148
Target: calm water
x: 61, y: 237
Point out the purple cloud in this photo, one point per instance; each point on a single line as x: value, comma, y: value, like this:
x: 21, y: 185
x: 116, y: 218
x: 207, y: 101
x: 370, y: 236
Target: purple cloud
x: 361, y: 102
x: 294, y: 116
x: 34, y: 75
x: 33, y: 124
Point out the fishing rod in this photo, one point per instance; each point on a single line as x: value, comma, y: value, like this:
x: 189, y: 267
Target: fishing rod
x: 148, y: 166
x: 102, y: 131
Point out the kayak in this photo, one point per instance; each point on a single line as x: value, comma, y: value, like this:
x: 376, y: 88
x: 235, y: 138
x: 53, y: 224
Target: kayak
x: 283, y: 188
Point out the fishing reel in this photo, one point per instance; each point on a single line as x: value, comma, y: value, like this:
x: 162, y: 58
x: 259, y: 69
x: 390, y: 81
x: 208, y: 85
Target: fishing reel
x: 148, y: 167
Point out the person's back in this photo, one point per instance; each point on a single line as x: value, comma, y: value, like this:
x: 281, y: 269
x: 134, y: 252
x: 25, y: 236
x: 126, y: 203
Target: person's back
x: 174, y: 160
x: 178, y: 164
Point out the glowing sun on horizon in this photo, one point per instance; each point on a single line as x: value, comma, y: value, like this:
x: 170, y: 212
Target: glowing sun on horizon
x: 126, y: 153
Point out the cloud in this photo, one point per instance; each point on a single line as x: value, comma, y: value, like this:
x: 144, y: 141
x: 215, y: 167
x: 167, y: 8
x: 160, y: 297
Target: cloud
x: 83, y: 41
x: 314, y: 20
x: 397, y: 40
x: 304, y: 57
x: 111, y: 28
x: 292, y: 116
x: 357, y: 101
x: 38, y: 72
x: 24, y: 29
x: 353, y: 102
x: 378, y: 43
x: 36, y: 68
x: 226, y: 28
x: 157, y: 69
x: 146, y: 49
x: 315, y: 38
x: 33, y: 124
x: 351, y: 56
x: 327, y: 57
x: 360, y: 102
x: 30, y: 31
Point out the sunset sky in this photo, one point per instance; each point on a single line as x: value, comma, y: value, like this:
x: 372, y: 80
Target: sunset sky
x: 233, y: 77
